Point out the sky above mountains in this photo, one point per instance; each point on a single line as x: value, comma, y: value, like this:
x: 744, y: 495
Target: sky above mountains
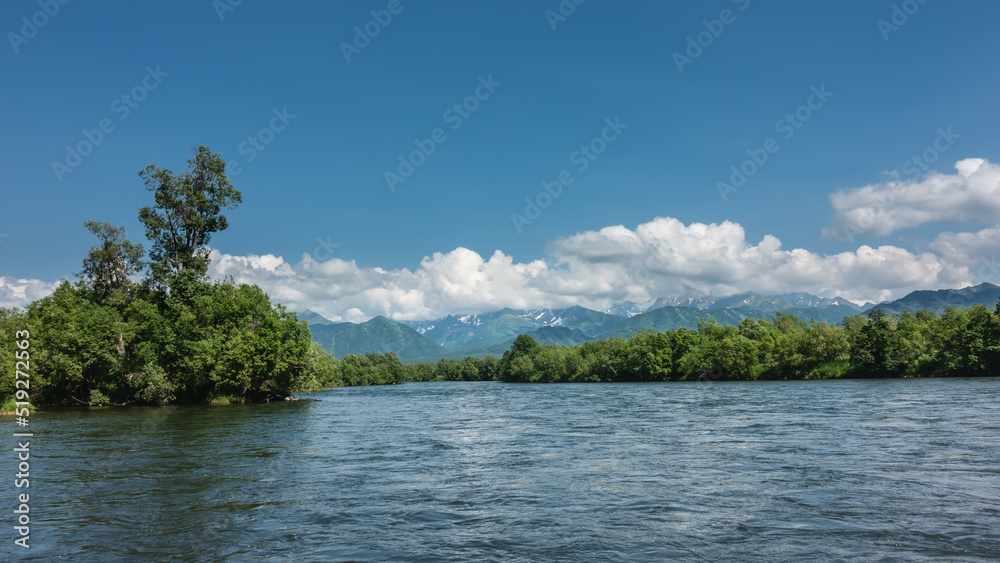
x: 417, y: 159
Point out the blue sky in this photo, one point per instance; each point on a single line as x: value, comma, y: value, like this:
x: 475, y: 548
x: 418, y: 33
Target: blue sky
x: 217, y: 75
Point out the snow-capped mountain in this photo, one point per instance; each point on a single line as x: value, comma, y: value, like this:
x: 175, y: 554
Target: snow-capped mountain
x: 627, y: 309
x: 810, y: 300
x: 694, y: 298
x: 481, y: 334
x: 458, y: 332
x: 690, y: 298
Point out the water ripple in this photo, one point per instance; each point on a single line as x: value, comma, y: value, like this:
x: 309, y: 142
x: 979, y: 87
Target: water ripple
x: 905, y: 470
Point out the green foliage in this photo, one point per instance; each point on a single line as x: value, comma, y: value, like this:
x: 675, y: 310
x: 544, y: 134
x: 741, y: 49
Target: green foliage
x: 523, y: 345
x: 153, y: 385
x: 97, y: 398
x: 187, y: 211
x: 959, y: 343
x: 667, y: 319
x: 876, y: 350
x: 371, y: 369
x: 12, y: 321
x: 195, y: 342
x: 109, y: 265
x: 174, y: 337
x: 721, y: 352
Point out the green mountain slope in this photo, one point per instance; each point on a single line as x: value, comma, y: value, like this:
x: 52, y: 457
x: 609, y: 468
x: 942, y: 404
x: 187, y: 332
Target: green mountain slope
x: 586, y: 321
x: 503, y: 328
x: 672, y: 318
x: 546, y: 335
x: 559, y: 335
x: 314, y: 318
x: 378, y: 335
x: 936, y: 300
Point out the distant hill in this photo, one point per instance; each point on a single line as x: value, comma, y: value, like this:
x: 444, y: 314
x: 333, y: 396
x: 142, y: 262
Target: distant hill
x: 672, y: 318
x: 493, y: 333
x: 314, y: 318
x: 936, y: 300
x: 378, y: 335
x: 559, y: 335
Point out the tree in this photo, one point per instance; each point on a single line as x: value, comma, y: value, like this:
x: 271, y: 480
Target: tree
x: 826, y: 343
x: 76, y: 349
x: 187, y: 211
x: 650, y: 357
x: 875, y: 351
x: 524, y: 345
x: 720, y: 352
x: 605, y: 360
x: 549, y: 364
x: 109, y: 264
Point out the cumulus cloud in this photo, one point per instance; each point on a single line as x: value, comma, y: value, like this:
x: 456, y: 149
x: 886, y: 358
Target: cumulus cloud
x: 974, y: 255
x: 19, y: 292
x: 460, y: 281
x: 970, y: 195
x: 717, y: 259
x: 596, y: 269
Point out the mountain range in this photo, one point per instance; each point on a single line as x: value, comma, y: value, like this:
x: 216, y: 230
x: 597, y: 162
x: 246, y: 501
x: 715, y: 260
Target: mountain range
x: 458, y: 336
x: 378, y: 335
x: 936, y: 301
x: 474, y: 331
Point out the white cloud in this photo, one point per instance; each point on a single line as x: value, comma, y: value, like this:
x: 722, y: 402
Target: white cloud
x: 971, y: 195
x: 596, y: 269
x: 717, y: 258
x: 19, y: 292
x: 974, y: 255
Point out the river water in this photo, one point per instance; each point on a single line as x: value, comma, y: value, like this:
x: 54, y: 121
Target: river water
x: 889, y: 470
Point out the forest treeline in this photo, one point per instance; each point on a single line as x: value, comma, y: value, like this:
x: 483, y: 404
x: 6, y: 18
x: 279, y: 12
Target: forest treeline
x: 152, y: 330
x: 960, y: 342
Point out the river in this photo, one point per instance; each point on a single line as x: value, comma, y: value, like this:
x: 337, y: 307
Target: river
x: 886, y: 470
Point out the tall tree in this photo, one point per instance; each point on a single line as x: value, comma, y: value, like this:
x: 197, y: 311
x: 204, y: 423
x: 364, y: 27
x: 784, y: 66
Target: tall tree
x: 187, y: 211
x: 109, y: 264
x: 875, y: 352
